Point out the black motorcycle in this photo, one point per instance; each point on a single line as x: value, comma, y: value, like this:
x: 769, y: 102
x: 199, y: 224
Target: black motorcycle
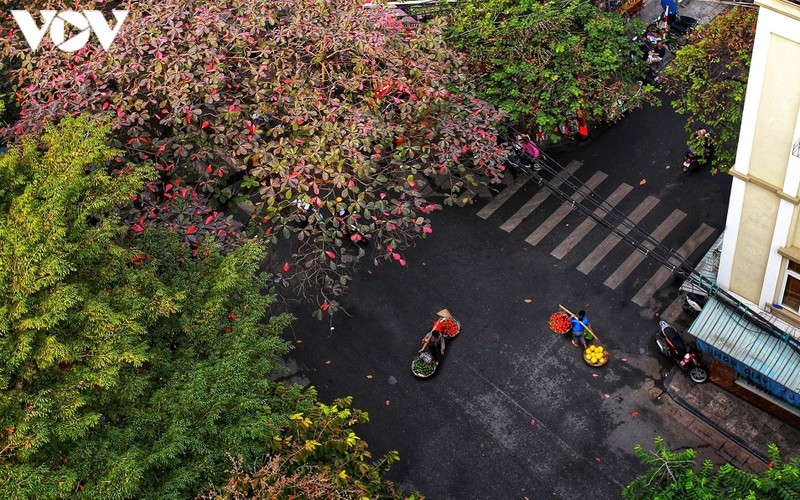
x: 687, y: 357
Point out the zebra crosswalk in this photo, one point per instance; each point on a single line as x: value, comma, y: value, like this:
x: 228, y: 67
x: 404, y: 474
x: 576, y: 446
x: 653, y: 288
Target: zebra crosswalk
x: 597, y: 254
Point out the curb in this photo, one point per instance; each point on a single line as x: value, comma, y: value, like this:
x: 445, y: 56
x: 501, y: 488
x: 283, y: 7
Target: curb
x: 694, y: 411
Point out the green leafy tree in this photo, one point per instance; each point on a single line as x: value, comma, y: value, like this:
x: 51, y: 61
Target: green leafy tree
x: 317, y: 455
x: 334, y: 120
x: 128, y: 367
x: 673, y: 475
x: 539, y: 60
x: 709, y: 78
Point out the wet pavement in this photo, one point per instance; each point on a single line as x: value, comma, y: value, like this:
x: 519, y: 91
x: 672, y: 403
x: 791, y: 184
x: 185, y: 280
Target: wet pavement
x: 736, y: 429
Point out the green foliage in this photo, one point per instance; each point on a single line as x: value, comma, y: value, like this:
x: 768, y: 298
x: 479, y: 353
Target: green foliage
x: 672, y: 475
x: 709, y: 78
x: 540, y: 60
x: 317, y: 455
x: 279, y: 103
x: 128, y: 367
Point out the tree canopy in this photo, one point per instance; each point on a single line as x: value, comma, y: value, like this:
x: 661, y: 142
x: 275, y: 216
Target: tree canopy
x: 539, y: 60
x: 709, y: 78
x: 131, y: 366
x: 674, y: 475
x: 334, y: 121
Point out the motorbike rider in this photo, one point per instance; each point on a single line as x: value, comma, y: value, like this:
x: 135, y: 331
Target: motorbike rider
x: 528, y: 151
x: 701, y: 146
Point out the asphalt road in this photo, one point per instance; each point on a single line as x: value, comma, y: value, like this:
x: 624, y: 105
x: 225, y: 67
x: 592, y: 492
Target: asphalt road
x: 513, y: 411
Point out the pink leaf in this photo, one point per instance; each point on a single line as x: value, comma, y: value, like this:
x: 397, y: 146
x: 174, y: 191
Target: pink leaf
x: 395, y: 256
x: 204, y: 124
x: 286, y: 267
x: 330, y: 254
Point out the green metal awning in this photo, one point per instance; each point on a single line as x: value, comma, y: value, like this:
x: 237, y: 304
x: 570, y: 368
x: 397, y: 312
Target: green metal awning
x: 766, y: 359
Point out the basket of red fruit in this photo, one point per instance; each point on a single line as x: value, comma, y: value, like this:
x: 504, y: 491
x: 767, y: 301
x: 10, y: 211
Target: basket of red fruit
x: 559, y: 322
x: 446, y: 324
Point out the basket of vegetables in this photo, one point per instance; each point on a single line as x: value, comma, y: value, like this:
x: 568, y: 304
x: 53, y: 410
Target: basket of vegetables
x: 423, y: 365
x: 559, y: 322
x: 595, y: 355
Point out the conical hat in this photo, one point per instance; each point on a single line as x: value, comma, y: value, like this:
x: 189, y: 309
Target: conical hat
x: 444, y: 313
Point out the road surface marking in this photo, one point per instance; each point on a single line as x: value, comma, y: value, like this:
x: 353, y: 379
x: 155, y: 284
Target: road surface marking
x: 636, y: 258
x: 663, y: 274
x: 611, y: 240
x: 502, y: 197
x: 587, y: 225
x: 562, y: 211
x: 538, y: 199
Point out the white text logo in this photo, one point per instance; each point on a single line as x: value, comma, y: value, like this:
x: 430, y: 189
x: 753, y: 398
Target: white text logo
x: 84, y: 23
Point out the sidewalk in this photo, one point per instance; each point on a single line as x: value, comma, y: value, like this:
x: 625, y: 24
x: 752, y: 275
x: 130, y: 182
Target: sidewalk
x: 702, y: 10
x: 739, y: 431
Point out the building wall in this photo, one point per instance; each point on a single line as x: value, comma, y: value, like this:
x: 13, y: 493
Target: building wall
x: 764, y: 204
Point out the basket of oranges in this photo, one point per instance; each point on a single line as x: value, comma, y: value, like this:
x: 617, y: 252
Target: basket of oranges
x: 595, y: 355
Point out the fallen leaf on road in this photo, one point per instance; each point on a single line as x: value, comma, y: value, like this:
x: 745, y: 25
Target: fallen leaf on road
x: 298, y: 341
x: 369, y: 376
x: 668, y: 167
x: 643, y: 182
x: 387, y: 402
x: 596, y: 459
x: 533, y: 422
x: 624, y: 360
x: 607, y: 396
x: 528, y: 301
x: 328, y: 362
x: 634, y: 414
x: 595, y: 375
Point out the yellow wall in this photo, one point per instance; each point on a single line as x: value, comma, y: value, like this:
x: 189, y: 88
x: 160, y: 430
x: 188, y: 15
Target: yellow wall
x: 753, y: 245
x: 772, y: 142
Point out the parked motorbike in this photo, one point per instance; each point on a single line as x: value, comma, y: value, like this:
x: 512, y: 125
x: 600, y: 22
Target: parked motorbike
x: 693, y: 303
x: 687, y: 357
x: 681, y: 26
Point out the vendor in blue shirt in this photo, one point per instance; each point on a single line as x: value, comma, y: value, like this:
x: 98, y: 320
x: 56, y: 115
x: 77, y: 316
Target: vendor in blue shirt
x: 579, y: 325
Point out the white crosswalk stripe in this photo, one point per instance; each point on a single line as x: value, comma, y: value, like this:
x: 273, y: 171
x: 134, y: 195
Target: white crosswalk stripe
x: 572, y: 242
x: 537, y: 200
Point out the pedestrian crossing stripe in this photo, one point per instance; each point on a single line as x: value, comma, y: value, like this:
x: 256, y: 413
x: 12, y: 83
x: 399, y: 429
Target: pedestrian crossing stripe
x: 646, y: 292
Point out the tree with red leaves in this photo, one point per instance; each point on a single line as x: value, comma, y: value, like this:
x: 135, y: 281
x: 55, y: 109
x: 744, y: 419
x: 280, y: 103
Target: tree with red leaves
x: 330, y: 123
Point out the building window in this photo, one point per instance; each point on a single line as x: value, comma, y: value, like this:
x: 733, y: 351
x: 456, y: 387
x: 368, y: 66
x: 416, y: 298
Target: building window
x: 790, y: 296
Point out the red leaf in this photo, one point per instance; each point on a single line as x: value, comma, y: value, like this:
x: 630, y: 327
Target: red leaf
x: 204, y: 124
x: 209, y: 219
x: 232, y: 316
x: 286, y: 267
x: 191, y: 229
x: 395, y: 256
x: 634, y: 414
x: 167, y: 187
x: 325, y: 306
x: 330, y: 254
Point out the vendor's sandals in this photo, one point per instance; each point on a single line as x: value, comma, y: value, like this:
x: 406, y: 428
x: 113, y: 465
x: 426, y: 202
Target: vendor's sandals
x: 575, y: 343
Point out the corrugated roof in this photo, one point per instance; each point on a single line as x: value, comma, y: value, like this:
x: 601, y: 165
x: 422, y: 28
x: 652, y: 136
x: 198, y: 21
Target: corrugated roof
x: 706, y: 270
x: 729, y: 331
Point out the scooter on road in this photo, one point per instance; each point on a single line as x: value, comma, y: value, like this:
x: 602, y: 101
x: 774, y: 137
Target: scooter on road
x: 686, y: 356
